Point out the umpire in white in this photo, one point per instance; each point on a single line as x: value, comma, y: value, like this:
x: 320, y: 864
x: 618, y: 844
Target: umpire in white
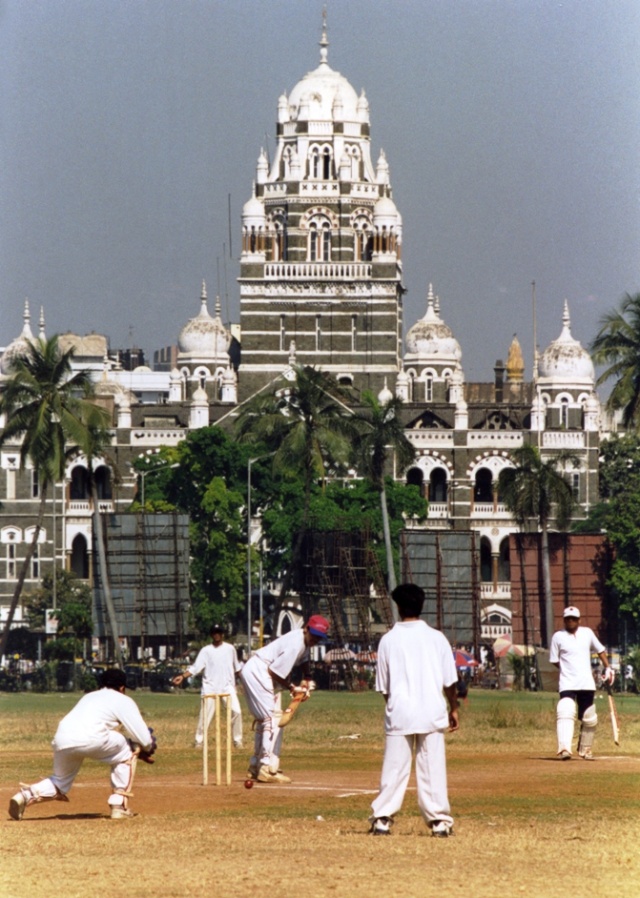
x: 570, y: 651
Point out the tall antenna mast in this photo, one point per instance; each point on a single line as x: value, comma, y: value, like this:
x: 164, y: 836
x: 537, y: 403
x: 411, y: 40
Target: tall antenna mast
x: 535, y: 331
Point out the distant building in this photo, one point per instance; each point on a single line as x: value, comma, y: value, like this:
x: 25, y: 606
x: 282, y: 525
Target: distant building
x: 321, y: 283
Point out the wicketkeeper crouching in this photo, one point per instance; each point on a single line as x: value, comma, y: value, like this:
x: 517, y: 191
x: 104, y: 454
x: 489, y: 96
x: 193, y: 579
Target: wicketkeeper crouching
x: 90, y: 730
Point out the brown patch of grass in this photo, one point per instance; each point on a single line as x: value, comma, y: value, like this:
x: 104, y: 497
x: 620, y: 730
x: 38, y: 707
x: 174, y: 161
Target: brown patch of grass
x: 525, y: 823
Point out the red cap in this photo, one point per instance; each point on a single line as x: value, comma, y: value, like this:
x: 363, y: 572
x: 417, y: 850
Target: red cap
x: 318, y: 626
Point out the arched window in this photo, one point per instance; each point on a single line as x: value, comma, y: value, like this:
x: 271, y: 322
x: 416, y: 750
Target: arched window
x: 79, y: 488
x: 564, y: 413
x: 415, y: 477
x: 80, y: 557
x: 504, y: 564
x: 326, y: 163
x: 486, y: 572
x: 428, y: 388
x: 483, y: 491
x: 438, y: 485
x: 319, y: 240
x: 102, y: 477
x: 326, y: 242
x: 313, y: 243
x: 315, y: 163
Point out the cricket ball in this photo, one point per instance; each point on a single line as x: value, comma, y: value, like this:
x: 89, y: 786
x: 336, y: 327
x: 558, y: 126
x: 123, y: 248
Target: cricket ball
x: 248, y: 784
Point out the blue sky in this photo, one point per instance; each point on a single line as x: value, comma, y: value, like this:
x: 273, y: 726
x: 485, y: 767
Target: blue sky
x: 511, y: 128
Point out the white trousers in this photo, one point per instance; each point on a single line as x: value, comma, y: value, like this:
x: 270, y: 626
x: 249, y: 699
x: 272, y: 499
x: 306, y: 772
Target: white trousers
x: 266, y: 706
x: 431, y: 776
x: 236, y: 718
x: 113, y: 749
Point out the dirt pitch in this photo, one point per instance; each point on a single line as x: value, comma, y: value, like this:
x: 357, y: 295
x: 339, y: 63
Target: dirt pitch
x: 525, y: 823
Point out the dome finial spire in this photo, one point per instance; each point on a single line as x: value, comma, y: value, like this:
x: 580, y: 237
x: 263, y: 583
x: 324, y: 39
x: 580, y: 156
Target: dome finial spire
x: 566, y: 320
x: 324, y: 43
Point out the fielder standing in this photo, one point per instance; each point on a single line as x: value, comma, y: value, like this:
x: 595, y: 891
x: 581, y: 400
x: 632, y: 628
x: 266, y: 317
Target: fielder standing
x: 90, y: 730
x: 415, y: 671
x: 218, y: 663
x: 267, y: 670
x: 570, y: 651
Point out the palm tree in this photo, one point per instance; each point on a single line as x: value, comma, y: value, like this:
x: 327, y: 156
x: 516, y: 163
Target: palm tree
x: 98, y: 437
x: 379, y: 433
x: 45, y: 406
x: 304, y: 426
x: 617, y: 344
x: 538, y: 489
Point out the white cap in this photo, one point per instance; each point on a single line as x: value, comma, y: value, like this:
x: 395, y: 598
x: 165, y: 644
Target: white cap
x: 571, y: 611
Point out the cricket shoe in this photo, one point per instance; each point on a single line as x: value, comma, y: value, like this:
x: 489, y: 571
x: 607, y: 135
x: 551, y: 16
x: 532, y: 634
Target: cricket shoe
x: 253, y: 770
x: 564, y: 754
x: 266, y: 776
x: 17, y: 805
x: 380, y: 826
x: 120, y: 813
x: 441, y: 830
x: 586, y: 754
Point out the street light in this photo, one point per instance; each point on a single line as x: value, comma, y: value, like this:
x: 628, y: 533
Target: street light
x: 143, y: 475
x: 249, y: 622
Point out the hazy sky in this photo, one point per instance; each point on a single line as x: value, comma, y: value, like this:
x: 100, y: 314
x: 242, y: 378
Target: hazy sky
x: 511, y: 127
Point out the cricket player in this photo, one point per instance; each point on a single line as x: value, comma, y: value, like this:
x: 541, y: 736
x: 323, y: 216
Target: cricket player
x: 570, y: 651
x: 266, y: 673
x: 415, y: 671
x: 218, y: 663
x: 90, y: 730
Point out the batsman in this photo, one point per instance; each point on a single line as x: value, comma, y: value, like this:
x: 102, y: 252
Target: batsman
x: 570, y: 651
x: 266, y: 673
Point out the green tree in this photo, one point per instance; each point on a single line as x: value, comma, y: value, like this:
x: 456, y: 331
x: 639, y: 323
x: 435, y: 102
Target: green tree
x: 537, y: 489
x: 73, y: 600
x: 617, y: 344
x: 46, y: 406
x: 378, y: 435
x: 205, y: 476
x: 304, y: 425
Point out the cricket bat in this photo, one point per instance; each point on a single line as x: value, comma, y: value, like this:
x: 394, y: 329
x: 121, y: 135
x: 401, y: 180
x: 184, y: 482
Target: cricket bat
x: 613, y: 714
x: 290, y: 710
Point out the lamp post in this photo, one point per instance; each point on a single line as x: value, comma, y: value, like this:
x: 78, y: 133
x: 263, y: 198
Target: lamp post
x: 143, y: 475
x: 249, y: 621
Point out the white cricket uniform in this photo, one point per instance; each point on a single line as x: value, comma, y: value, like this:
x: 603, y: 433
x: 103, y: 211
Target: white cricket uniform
x: 218, y: 665
x: 90, y: 730
x: 572, y: 651
x: 279, y: 656
x: 415, y: 663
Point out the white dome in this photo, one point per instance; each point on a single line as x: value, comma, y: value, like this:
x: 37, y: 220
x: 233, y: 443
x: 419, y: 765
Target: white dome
x: 430, y: 340
x: 385, y: 395
x: 323, y: 93
x: 203, y: 337
x: 20, y: 345
x: 386, y: 212
x: 253, y: 211
x: 565, y: 360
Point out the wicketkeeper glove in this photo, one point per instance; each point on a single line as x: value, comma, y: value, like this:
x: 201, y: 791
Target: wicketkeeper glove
x: 145, y: 754
x: 608, y: 676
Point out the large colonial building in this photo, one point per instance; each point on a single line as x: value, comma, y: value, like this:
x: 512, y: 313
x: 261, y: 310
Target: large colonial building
x: 321, y: 284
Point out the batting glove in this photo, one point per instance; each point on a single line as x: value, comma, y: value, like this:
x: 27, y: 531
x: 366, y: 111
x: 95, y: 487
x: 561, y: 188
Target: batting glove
x: 608, y: 676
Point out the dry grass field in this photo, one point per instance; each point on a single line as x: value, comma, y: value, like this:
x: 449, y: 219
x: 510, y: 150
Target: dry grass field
x: 525, y: 823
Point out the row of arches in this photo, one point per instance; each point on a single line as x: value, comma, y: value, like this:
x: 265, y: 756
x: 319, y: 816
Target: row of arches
x: 319, y: 164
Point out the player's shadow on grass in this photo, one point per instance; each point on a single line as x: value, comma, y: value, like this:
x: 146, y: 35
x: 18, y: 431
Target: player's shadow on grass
x: 67, y: 817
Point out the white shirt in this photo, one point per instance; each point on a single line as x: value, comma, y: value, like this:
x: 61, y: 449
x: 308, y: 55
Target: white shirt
x: 415, y: 663
x: 284, y: 653
x: 573, y: 652
x: 218, y: 666
x: 95, y: 715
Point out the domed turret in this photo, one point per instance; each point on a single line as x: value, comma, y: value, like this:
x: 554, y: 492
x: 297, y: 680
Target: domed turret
x: 203, y: 338
x: 20, y: 345
x: 324, y: 93
x: 385, y: 395
x: 564, y: 362
x: 430, y: 340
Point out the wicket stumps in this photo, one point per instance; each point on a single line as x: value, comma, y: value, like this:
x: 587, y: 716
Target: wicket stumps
x: 216, y: 699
